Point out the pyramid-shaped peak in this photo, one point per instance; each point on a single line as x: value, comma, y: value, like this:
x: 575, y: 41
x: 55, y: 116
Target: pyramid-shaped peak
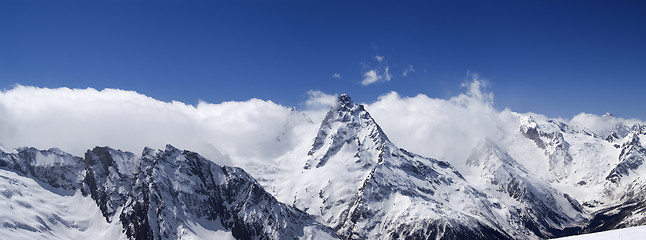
x: 345, y: 100
x: 347, y: 111
x: 347, y: 123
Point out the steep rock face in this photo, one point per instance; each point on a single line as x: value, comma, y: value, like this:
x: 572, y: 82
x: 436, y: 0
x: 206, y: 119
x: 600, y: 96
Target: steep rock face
x: 181, y: 184
x: 168, y: 194
x: 551, y: 141
x: 363, y: 186
x: 625, y: 183
x: 605, y: 173
x: 110, y: 178
x: 53, y: 166
x: 406, y: 186
x: 344, y: 154
x: 630, y: 212
x: 347, y: 123
x: 621, y: 131
x: 545, y: 211
x: 631, y: 157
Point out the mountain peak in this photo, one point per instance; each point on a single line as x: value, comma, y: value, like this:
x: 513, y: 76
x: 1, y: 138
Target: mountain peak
x: 345, y: 100
x: 171, y: 148
x: 488, y: 154
x: 345, y: 124
x: 346, y: 111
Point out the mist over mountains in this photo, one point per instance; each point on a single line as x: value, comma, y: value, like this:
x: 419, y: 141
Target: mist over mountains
x: 130, y: 121
x: 414, y: 167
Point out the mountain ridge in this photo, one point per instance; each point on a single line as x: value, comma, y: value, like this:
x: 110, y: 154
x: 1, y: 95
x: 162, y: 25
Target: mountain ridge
x: 352, y: 182
x: 170, y: 193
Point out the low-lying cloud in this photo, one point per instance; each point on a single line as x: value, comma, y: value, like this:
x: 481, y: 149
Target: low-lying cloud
x: 258, y: 130
x: 78, y: 119
x: 446, y: 129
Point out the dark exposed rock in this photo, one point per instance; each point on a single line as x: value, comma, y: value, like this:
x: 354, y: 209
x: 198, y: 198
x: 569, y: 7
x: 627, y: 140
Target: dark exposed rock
x: 631, y: 157
x: 151, y: 196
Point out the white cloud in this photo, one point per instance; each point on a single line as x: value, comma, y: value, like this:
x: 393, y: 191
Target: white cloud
x: 408, y: 70
x: 370, y: 77
x: 449, y: 129
x: 602, y: 125
x: 336, y: 75
x: 375, y: 74
x: 257, y: 130
x: 446, y: 129
x: 79, y: 119
x: 476, y: 89
x: 318, y: 100
x: 387, y: 76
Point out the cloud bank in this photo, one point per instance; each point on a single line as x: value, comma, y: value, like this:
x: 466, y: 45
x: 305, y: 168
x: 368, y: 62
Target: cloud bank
x: 446, y: 129
x: 232, y: 133
x: 602, y: 125
x: 79, y: 119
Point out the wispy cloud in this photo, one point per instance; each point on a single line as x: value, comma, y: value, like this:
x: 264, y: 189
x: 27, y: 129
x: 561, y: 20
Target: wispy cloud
x: 408, y: 70
x: 387, y: 75
x: 378, y: 72
x: 336, y: 75
x: 370, y: 77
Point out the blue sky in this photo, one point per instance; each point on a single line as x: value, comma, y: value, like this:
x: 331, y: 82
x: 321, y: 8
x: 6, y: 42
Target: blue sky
x: 557, y: 58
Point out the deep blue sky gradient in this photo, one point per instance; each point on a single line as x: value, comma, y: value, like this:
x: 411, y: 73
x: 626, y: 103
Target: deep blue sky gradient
x: 558, y: 58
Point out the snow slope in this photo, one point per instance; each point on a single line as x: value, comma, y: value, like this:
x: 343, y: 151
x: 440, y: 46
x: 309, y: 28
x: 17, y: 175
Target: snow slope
x: 540, y: 178
x: 31, y: 210
x: 363, y: 186
x: 164, y: 194
x: 602, y: 172
x: 631, y: 233
x: 545, y: 211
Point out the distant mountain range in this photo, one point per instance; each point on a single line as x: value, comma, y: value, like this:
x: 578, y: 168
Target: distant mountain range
x: 351, y: 182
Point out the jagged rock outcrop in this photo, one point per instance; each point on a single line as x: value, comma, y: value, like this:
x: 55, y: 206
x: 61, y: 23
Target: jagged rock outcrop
x: 164, y: 193
x: 552, y: 142
x: 545, y: 211
x: 631, y: 157
x: 359, y: 183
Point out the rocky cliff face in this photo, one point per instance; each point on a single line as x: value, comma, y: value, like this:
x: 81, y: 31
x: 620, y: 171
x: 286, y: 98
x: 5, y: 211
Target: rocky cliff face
x: 631, y: 158
x: 543, y: 210
x: 552, y: 142
x: 359, y: 183
x: 605, y: 172
x: 166, y: 194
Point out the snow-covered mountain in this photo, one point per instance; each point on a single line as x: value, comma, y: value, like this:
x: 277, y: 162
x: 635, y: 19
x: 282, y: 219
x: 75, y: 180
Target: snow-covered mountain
x: 363, y: 186
x: 164, y: 194
x: 543, y: 210
x: 603, y: 172
x: 353, y: 178
x: 534, y: 178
